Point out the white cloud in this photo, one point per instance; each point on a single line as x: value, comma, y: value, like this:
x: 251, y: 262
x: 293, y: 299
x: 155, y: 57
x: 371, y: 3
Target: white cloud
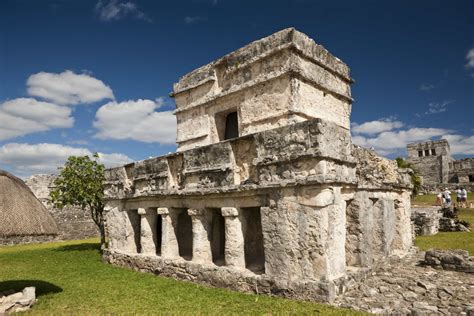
x: 461, y: 145
x: 68, y: 88
x: 136, y: 120
x: 113, y: 10
x: 395, y: 139
x: 438, y: 107
x: 426, y: 87
x: 375, y: 127
x: 27, y: 159
x: 24, y: 116
x: 194, y: 19
x: 470, y: 58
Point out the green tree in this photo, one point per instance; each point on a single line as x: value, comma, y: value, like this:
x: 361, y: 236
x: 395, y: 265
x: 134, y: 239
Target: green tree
x: 80, y: 184
x: 415, y: 176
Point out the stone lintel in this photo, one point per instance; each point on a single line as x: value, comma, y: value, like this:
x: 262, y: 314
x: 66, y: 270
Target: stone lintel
x: 324, y: 198
x: 162, y: 211
x: 229, y: 211
x: 195, y: 212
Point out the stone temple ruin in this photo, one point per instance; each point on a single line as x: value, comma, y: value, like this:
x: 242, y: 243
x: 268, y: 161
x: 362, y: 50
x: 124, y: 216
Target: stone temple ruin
x: 266, y: 192
x: 432, y: 159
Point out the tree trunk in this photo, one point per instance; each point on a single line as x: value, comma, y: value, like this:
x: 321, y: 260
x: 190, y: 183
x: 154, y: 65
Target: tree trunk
x: 102, y: 236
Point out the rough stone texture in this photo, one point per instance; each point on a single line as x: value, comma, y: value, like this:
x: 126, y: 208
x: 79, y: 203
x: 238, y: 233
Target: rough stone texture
x: 281, y: 79
x: 455, y: 260
x: 11, y: 302
x: 433, y: 161
x: 15, y: 240
x: 73, y: 222
x: 290, y: 207
x: 447, y: 224
x: 375, y: 172
x: 402, y: 286
x: 426, y: 220
x: 229, y: 277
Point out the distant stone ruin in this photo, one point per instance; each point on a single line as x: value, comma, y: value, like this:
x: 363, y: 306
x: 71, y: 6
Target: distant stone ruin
x: 266, y: 192
x: 73, y: 222
x: 432, y: 159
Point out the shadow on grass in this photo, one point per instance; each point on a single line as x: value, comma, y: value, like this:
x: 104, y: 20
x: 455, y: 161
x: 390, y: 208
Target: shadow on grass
x: 42, y: 287
x: 80, y: 247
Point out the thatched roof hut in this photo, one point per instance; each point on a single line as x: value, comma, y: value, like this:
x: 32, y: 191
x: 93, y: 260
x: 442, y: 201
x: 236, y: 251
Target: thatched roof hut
x: 21, y: 213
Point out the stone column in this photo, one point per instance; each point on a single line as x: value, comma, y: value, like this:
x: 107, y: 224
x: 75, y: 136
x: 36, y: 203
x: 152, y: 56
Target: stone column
x: 169, y: 241
x: 201, y: 245
x: 234, y: 238
x: 147, y: 238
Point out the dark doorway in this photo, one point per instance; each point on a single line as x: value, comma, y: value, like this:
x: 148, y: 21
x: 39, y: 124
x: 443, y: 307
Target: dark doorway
x: 218, y: 237
x: 471, y: 178
x: 135, y: 222
x: 159, y: 225
x: 185, y: 235
x: 253, y: 240
x: 231, y: 126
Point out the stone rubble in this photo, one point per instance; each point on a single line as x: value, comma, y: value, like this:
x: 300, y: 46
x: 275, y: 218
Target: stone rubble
x: 404, y: 286
x: 430, y: 220
x: 447, y: 224
x: 426, y: 220
x: 455, y: 260
x: 11, y: 302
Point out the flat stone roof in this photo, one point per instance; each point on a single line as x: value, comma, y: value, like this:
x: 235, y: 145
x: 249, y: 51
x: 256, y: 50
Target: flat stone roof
x: 284, y: 39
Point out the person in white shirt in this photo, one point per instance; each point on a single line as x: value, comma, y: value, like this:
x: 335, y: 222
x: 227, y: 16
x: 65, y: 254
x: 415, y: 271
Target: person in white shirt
x: 463, y: 197
x: 447, y: 197
x: 459, y: 196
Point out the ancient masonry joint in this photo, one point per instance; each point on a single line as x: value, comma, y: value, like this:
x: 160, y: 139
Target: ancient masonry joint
x: 266, y: 192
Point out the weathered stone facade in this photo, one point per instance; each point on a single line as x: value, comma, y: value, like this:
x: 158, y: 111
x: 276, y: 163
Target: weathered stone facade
x: 274, y: 199
x: 73, y: 222
x: 426, y: 220
x: 432, y: 159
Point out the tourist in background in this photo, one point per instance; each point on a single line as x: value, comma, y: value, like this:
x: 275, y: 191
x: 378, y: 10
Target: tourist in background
x: 459, y: 197
x: 447, y: 197
x: 440, y: 199
x: 463, y: 197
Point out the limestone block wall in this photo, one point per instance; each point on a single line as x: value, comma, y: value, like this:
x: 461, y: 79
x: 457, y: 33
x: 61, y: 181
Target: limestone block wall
x: 279, y: 80
x: 432, y: 160
x: 379, y: 213
x: 73, y: 222
x: 462, y: 171
x: 285, y: 209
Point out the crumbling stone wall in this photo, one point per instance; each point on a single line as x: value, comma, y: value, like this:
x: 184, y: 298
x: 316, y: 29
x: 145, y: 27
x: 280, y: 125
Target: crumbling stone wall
x: 282, y: 79
x: 426, y: 220
x: 290, y: 207
x: 73, y: 222
x: 433, y: 161
x: 303, y: 186
x: 462, y: 171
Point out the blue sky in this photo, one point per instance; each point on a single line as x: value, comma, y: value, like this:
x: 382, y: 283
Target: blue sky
x: 83, y: 76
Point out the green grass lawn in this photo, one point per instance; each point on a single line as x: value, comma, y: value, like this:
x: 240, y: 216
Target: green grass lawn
x: 448, y: 240
x: 70, y: 278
